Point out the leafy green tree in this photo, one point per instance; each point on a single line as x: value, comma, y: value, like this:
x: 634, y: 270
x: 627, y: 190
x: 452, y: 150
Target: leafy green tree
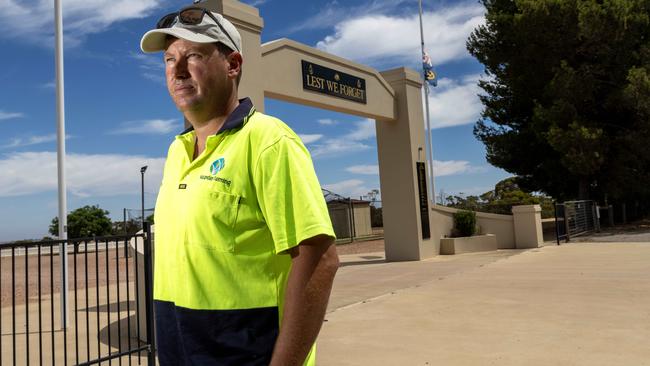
x: 567, y: 98
x: 132, y: 226
x: 506, y: 193
x: 84, y: 222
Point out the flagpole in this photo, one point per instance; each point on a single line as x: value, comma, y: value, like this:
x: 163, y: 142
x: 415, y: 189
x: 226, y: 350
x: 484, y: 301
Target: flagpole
x: 426, y: 103
x: 60, y: 134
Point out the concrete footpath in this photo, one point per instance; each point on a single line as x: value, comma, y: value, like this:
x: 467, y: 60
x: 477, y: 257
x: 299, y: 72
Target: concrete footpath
x: 574, y: 304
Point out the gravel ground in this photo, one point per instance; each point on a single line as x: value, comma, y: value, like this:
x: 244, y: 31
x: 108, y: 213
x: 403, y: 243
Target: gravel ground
x: 636, y: 232
x: 357, y: 247
x: 97, y: 275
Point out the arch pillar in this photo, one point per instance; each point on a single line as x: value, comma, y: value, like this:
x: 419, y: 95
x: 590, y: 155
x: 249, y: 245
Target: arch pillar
x: 400, y: 144
x: 248, y: 22
x: 394, y: 101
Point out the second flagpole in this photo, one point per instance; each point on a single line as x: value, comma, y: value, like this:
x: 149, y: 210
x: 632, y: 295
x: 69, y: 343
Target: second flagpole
x: 426, y: 103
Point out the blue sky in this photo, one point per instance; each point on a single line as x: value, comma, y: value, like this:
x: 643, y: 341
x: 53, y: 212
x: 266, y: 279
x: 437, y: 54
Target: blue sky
x: 119, y: 116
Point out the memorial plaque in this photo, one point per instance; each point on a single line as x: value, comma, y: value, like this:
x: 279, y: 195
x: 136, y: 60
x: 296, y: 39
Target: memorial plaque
x: 424, y: 200
x: 331, y: 82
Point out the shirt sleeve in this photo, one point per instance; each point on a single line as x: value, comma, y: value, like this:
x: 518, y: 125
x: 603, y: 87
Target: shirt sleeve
x: 290, y: 195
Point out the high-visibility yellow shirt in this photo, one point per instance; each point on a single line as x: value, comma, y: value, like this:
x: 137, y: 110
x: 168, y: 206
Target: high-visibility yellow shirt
x: 223, y: 224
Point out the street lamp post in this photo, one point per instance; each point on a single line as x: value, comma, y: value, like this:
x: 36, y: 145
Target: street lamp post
x: 142, y: 170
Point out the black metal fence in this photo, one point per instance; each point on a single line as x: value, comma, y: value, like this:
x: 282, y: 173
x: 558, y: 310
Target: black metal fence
x: 574, y: 218
x: 102, y: 322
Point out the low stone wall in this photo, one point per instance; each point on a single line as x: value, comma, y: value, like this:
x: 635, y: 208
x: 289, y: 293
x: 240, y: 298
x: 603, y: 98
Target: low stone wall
x: 468, y: 244
x: 500, y: 225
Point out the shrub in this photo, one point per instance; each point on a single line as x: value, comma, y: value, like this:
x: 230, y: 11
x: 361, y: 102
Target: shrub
x: 465, y: 223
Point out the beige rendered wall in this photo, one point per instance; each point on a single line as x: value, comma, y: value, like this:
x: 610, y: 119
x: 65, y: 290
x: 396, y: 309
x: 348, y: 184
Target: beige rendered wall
x: 282, y: 68
x: 394, y: 100
x: 249, y: 24
x: 500, y: 225
x: 400, y: 144
x: 528, y: 226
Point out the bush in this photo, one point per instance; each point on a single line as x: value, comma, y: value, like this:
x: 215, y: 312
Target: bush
x: 465, y: 223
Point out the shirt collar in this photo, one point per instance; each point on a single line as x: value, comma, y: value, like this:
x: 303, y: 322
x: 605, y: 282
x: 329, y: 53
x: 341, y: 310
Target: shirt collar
x: 236, y: 119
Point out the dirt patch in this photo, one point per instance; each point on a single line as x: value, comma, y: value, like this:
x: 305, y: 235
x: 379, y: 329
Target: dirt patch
x: 98, y: 270
x: 361, y: 247
x: 636, y: 232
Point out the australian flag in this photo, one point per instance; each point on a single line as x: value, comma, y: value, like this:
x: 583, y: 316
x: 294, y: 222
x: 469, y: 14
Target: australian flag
x: 429, y: 75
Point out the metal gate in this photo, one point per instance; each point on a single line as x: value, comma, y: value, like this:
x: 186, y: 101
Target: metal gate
x: 574, y: 218
x: 108, y: 283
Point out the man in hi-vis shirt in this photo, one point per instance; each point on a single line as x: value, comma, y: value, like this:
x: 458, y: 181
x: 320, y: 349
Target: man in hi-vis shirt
x: 245, y: 255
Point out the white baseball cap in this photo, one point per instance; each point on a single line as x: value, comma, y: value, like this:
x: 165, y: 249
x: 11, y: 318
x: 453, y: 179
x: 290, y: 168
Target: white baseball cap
x: 195, y: 24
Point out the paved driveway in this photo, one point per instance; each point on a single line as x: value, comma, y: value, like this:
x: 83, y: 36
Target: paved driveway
x: 574, y: 304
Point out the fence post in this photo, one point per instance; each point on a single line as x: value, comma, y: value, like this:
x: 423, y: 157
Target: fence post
x: 557, y: 228
x: 567, y: 228
x: 610, y: 214
x: 594, y: 211
x: 148, y: 288
x: 350, y: 218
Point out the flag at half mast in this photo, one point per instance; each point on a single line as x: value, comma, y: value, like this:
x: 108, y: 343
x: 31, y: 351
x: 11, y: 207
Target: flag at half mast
x: 429, y: 75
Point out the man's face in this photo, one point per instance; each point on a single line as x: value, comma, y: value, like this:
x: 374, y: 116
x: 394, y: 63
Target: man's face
x: 197, y: 75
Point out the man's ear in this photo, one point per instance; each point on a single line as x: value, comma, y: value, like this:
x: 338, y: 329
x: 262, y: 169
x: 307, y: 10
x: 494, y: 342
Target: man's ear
x: 235, y: 62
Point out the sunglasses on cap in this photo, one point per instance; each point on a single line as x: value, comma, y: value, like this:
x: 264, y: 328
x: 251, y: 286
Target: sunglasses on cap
x: 191, y: 16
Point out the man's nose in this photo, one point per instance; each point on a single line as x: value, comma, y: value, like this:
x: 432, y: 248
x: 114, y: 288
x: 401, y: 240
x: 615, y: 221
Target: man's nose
x: 179, y: 68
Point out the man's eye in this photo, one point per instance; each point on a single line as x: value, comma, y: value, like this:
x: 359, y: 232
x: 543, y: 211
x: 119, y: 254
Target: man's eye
x: 169, y: 59
x: 193, y: 55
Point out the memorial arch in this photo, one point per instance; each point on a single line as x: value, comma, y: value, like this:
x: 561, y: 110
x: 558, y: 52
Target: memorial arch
x: 290, y: 71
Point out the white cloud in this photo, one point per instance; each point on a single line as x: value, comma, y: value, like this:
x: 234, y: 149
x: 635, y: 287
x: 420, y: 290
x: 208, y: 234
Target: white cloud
x: 364, y: 130
x: 440, y: 168
x: 256, y: 3
x: 352, y: 142
x: 32, y: 140
x: 335, y: 12
x: 49, y: 85
x: 34, y: 20
x: 363, y: 169
x: 333, y: 147
x: 147, y: 127
x: 9, y: 115
x: 446, y: 31
x: 308, y: 139
x: 156, y: 78
x: 348, y: 188
x: 455, y: 102
x: 328, y: 122
x: 151, y: 66
x: 87, y: 175
x: 450, y: 167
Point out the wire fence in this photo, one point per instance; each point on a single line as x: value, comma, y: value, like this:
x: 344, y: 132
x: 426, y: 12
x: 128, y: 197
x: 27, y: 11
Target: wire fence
x: 575, y: 218
x: 133, y: 218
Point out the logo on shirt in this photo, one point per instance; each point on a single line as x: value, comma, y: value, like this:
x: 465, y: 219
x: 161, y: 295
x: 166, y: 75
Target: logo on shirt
x: 217, y: 166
